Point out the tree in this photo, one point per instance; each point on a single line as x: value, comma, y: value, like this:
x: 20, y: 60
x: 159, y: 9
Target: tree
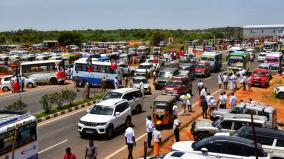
x: 157, y: 37
x: 44, y: 101
x: 68, y: 95
x: 16, y: 106
x: 70, y: 38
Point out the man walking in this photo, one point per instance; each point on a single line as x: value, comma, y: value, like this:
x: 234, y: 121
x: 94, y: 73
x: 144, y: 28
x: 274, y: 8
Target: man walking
x: 200, y: 85
x: 204, y: 107
x: 249, y: 84
x: 175, y: 109
x: 157, y: 139
x: 233, y: 101
x: 225, y: 80
x: 130, y: 140
x: 116, y: 83
x: 222, y: 100
x: 189, y: 102
x: 104, y: 84
x: 176, y: 127
x: 220, y: 80
x: 149, y: 129
x: 91, y: 151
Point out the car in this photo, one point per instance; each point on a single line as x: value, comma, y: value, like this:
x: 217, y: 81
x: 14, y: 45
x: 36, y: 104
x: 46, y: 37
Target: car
x: 271, y: 140
x: 261, y: 57
x: 248, y: 108
x: 227, y: 123
x: 222, y: 147
x: 267, y: 67
x: 105, y: 117
x: 125, y: 69
x: 182, y: 155
x: 279, y: 92
x: 260, y: 77
x: 134, y: 97
x: 202, y: 69
x: 187, y: 68
x: 142, y: 68
x: 6, y: 82
x: 163, y: 76
x: 136, y: 83
x: 177, y: 86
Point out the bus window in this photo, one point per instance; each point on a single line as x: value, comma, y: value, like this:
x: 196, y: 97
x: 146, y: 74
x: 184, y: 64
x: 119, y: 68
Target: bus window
x: 26, y: 134
x: 6, y: 142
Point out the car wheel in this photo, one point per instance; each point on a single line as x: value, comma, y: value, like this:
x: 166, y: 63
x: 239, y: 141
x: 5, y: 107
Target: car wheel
x: 201, y: 136
x: 127, y: 122
x: 110, y: 132
x: 281, y: 95
x: 53, y: 81
x: 5, y: 89
x: 138, y: 109
x: 30, y: 85
x: 82, y: 135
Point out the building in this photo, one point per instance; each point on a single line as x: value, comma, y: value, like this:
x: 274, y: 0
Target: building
x: 263, y: 31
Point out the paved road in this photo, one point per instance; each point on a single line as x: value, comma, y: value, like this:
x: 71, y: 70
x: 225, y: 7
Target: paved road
x: 55, y: 136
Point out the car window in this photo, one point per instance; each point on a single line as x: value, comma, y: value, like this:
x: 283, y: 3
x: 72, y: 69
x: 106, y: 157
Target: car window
x: 230, y: 148
x: 226, y: 124
x: 239, y: 124
x: 214, y: 147
x: 138, y: 94
x: 280, y: 143
x: 123, y: 106
x: 248, y: 111
x: 265, y: 140
x: 128, y: 96
x: 261, y: 113
x: 119, y: 108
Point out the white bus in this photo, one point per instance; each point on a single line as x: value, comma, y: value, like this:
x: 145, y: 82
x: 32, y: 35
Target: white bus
x: 18, y: 136
x: 99, y: 70
x: 45, y: 71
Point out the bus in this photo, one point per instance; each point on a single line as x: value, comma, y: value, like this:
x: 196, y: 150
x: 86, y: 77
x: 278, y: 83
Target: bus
x: 99, y: 70
x: 237, y: 61
x: 275, y: 61
x: 18, y: 135
x: 45, y: 71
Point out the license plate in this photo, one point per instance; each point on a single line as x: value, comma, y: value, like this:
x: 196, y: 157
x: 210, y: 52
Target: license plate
x: 257, y: 84
x: 89, y: 131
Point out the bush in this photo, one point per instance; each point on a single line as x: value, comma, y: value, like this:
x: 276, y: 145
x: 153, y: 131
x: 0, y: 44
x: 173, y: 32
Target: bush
x: 68, y: 95
x: 46, y: 105
x: 16, y: 106
x: 56, y: 98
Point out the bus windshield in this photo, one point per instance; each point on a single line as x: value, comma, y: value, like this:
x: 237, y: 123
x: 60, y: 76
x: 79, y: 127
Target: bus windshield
x: 207, y: 58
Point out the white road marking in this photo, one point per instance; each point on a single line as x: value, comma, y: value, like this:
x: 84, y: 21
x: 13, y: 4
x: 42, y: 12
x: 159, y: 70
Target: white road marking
x: 124, y: 147
x: 63, y: 116
x: 52, y: 146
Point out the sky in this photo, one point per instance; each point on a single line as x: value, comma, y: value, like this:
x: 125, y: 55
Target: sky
x: 130, y: 14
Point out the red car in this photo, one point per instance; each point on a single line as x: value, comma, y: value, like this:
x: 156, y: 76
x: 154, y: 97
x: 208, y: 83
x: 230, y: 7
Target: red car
x: 177, y: 86
x: 260, y: 77
x: 202, y: 69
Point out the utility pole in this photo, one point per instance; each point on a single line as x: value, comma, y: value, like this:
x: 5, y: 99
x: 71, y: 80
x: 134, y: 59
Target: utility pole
x: 254, y: 136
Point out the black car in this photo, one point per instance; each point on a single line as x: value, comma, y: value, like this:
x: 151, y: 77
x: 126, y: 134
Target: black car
x: 163, y: 76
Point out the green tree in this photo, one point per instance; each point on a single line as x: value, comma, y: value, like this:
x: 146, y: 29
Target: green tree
x: 45, y: 102
x: 68, y: 95
x: 16, y: 106
x: 157, y: 37
x: 70, y: 38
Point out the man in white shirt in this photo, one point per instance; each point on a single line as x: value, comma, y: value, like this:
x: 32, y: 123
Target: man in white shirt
x: 176, y: 126
x: 130, y: 140
x: 149, y: 129
x: 225, y: 80
x: 203, y: 92
x: 175, y: 109
x: 141, y: 86
x: 200, y: 85
x: 233, y: 101
x: 116, y: 83
x: 222, y: 100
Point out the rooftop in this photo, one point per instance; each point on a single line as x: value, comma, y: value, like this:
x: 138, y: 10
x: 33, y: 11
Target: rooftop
x: 264, y: 26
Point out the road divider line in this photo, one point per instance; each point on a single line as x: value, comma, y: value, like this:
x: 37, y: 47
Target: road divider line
x: 52, y: 146
x: 124, y: 147
x: 140, y: 137
x: 62, y: 116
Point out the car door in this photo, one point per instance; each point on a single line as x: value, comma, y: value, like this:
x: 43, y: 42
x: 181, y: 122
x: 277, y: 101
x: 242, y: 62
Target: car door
x: 129, y: 96
x: 139, y: 98
x: 235, y: 150
x: 118, y: 118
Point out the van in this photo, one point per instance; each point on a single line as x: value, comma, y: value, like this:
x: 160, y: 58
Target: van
x: 134, y: 97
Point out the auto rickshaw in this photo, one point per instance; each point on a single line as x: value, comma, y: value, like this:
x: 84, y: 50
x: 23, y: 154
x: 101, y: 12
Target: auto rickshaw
x: 163, y: 109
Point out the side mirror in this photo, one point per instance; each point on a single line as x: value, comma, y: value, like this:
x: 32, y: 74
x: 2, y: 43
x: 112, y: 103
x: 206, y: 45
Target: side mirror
x: 204, y: 151
x: 117, y: 113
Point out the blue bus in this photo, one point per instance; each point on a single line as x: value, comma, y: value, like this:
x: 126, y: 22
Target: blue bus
x: 99, y: 70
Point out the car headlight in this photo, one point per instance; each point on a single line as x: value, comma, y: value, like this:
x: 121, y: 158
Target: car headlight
x: 104, y: 123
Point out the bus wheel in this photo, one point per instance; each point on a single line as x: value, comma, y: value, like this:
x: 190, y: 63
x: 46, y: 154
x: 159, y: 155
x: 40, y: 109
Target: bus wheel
x: 53, y: 81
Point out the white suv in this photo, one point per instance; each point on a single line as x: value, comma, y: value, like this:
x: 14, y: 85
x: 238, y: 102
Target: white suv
x: 106, y: 117
x: 132, y: 95
x: 279, y: 91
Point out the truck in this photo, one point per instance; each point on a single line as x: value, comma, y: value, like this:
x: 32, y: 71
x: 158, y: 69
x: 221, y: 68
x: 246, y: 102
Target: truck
x: 214, y: 59
x: 237, y: 61
x: 275, y: 60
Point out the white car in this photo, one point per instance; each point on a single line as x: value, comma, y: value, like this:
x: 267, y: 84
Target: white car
x: 227, y: 147
x: 134, y: 97
x: 182, y: 155
x: 279, y: 91
x: 261, y: 57
x: 141, y: 70
x: 138, y: 79
x: 6, y: 83
x: 105, y: 117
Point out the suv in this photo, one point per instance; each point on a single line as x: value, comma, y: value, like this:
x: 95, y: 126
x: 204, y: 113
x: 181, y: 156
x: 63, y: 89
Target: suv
x: 163, y: 76
x: 105, y: 117
x: 247, y: 108
x: 202, y: 69
x: 132, y: 95
x: 228, y: 123
x: 177, y: 86
x: 279, y: 91
x: 271, y: 140
x: 222, y: 147
x: 260, y: 77
x: 141, y: 70
x: 136, y: 83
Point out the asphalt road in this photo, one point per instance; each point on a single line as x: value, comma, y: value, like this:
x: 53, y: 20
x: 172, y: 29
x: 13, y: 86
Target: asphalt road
x: 55, y: 136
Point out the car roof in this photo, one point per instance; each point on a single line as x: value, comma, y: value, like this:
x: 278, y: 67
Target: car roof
x: 139, y: 77
x: 244, y: 117
x: 168, y: 69
x: 257, y: 106
x: 146, y: 64
x: 165, y: 98
x: 111, y: 102
x: 260, y: 130
x: 124, y: 90
x: 233, y: 139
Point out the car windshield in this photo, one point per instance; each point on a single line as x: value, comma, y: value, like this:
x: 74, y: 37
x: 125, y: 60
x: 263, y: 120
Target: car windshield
x: 183, y: 72
x: 237, y: 110
x: 207, y: 58
x: 144, y: 66
x: 199, y: 66
x: 173, y: 84
x: 112, y: 95
x: 216, y: 122
x: 235, y: 60
x: 199, y: 144
x: 145, y: 81
x: 101, y: 110
x: 165, y: 74
x: 160, y: 105
x: 263, y: 55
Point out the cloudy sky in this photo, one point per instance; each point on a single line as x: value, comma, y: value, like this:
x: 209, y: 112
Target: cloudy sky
x: 116, y: 14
